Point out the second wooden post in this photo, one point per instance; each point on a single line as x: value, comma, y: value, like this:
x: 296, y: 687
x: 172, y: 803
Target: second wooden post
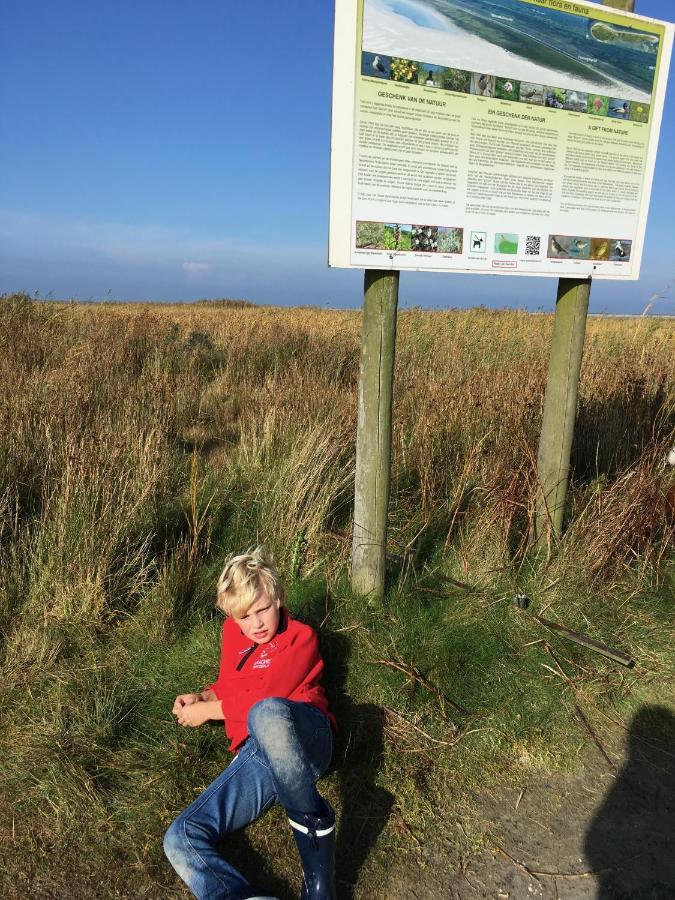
x: 373, y: 439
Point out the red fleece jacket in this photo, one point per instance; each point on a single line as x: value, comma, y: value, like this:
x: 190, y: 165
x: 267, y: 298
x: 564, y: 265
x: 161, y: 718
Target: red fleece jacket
x: 288, y: 666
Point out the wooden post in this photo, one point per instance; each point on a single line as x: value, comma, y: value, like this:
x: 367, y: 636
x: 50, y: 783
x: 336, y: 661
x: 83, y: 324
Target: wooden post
x: 560, y: 404
x: 373, y: 437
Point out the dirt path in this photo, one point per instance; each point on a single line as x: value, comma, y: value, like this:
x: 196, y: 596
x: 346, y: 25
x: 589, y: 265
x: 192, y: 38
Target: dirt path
x: 605, y: 832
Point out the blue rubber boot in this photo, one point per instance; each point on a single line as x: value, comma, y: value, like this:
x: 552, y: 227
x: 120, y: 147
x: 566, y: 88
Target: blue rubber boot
x: 315, y: 837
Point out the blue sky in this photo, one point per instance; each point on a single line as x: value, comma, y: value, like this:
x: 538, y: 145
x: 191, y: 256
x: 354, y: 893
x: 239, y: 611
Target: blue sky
x: 164, y: 150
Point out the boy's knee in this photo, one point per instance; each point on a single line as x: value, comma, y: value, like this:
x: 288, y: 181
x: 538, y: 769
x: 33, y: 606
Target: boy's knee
x: 174, y: 842
x: 266, y: 714
x: 179, y: 852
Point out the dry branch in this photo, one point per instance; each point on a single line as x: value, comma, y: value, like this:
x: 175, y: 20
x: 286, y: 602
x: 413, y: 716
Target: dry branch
x: 393, y: 714
x: 415, y: 676
x: 537, y: 875
x: 585, y: 641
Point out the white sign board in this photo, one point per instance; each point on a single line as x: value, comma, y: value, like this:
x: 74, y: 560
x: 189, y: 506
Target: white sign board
x: 501, y: 136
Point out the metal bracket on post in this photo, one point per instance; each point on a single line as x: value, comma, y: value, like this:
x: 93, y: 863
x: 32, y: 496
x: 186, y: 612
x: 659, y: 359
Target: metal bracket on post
x: 373, y: 438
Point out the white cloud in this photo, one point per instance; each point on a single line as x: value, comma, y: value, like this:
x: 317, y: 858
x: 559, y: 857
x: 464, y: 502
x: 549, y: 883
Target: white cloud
x: 196, y: 268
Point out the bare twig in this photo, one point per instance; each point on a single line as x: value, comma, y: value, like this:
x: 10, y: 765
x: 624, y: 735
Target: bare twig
x: 580, y: 715
x: 454, y: 582
x: 407, y: 828
x: 415, y: 675
x: 519, y: 865
x: 397, y: 715
x: 555, y: 659
x: 537, y: 875
x: 594, y: 737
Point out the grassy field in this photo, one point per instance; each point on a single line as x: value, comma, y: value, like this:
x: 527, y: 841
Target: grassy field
x: 141, y: 443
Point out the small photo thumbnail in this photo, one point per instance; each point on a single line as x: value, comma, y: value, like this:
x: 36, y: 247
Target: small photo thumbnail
x: 430, y: 75
x: 397, y: 237
x: 578, y: 247
x: 404, y: 70
x: 619, y: 251
x: 370, y: 235
x: 557, y: 246
x: 639, y: 112
x: 531, y: 93
x: 376, y: 65
x: 456, y: 80
x: 478, y: 242
x: 618, y: 109
x: 597, y: 105
x: 506, y: 243
x: 507, y: 88
x: 450, y: 240
x: 425, y: 238
x: 600, y: 248
x: 564, y: 246
x: 483, y: 85
x: 555, y: 97
x: 576, y: 101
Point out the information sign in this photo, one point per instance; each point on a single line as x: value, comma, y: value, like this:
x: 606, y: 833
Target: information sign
x: 501, y: 136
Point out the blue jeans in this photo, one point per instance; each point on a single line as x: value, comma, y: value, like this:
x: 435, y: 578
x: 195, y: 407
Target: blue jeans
x: 289, y: 747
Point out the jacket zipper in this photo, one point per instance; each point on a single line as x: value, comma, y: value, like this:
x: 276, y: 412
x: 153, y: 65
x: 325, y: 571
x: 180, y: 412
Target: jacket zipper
x: 242, y: 662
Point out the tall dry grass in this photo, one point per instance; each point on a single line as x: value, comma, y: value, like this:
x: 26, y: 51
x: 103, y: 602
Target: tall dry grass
x: 109, y: 414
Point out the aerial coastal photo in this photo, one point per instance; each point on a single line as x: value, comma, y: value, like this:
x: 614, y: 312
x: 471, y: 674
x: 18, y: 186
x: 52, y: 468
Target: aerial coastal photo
x: 518, y: 40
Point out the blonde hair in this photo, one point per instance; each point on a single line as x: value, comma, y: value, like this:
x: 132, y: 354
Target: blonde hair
x: 244, y: 578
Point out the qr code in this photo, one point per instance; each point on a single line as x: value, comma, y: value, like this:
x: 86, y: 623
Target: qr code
x: 533, y: 245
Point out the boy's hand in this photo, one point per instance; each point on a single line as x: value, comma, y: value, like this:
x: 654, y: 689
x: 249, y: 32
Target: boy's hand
x: 194, y: 714
x: 183, y: 700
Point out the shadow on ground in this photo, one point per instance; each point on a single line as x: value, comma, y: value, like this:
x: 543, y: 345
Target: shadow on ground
x: 631, y: 839
x: 357, y: 760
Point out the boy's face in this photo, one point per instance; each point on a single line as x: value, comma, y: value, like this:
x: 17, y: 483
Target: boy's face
x: 261, y: 621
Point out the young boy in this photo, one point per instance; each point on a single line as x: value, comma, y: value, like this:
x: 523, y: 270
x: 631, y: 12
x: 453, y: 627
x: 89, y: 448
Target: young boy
x: 276, y: 715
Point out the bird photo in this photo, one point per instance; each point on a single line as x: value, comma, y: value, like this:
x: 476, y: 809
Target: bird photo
x: 375, y: 65
x: 618, y: 109
x: 531, y: 93
x: 483, y: 85
x: 599, y: 248
x: 556, y: 248
x: 620, y: 251
x: 578, y: 246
